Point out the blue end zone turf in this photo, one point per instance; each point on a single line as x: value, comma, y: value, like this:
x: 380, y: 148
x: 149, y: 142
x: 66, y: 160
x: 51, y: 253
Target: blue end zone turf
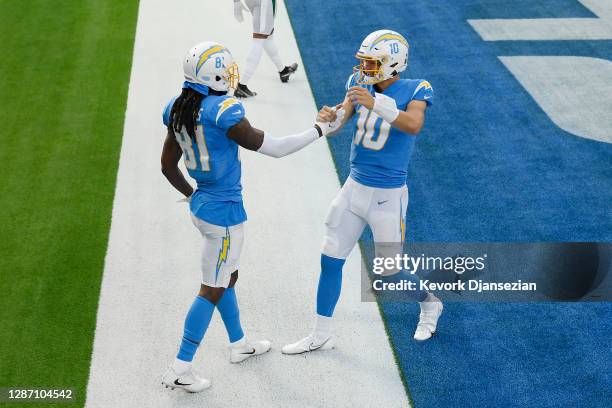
x: 490, y: 165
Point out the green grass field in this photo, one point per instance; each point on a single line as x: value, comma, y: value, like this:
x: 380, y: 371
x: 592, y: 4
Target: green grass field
x: 63, y: 87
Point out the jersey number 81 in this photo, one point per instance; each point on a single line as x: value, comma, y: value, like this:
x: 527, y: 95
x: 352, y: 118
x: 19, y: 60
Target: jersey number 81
x: 191, y: 162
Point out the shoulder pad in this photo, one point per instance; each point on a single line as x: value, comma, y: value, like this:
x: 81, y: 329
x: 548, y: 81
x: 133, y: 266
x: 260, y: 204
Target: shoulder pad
x: 423, y: 92
x: 167, y: 109
x: 226, y: 112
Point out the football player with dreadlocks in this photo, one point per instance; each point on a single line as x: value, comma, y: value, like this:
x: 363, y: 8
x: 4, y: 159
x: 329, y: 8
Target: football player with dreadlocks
x: 205, y: 126
x: 390, y: 113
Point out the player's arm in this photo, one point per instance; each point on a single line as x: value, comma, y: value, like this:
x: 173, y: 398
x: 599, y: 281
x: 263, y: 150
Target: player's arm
x: 410, y: 121
x: 329, y: 114
x: 171, y: 154
x: 263, y: 142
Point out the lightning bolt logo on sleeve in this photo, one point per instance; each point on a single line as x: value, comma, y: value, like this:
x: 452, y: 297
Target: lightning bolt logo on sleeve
x: 225, y: 105
x: 223, y: 252
x: 423, y: 84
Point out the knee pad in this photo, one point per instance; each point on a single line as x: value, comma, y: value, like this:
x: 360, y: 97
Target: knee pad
x: 331, y: 241
x: 330, y: 246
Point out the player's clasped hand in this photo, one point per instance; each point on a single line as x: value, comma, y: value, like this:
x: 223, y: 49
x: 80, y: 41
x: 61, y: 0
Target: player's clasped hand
x: 326, y: 114
x: 330, y: 120
x: 361, y: 96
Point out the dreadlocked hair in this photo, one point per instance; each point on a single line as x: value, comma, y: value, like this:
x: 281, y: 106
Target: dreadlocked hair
x: 185, y: 111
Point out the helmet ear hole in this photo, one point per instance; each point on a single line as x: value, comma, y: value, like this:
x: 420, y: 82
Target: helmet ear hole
x: 217, y: 78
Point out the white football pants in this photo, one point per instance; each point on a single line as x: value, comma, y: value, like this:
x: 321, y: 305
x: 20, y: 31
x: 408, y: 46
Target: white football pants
x: 355, y: 206
x: 263, y: 17
x: 220, y: 251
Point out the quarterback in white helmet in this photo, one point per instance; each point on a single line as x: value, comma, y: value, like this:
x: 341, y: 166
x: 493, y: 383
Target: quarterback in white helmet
x: 382, y: 55
x: 390, y: 113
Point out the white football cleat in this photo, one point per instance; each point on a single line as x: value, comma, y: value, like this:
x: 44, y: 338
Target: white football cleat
x: 188, y: 381
x: 428, y: 319
x: 308, y: 344
x: 244, y: 349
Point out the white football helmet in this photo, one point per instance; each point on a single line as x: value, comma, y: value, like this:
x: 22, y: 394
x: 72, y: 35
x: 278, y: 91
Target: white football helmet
x: 382, y: 55
x: 211, y: 64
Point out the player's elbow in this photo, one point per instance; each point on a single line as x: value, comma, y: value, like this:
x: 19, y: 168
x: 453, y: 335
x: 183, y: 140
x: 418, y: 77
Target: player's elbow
x: 409, y: 124
x: 168, y: 169
x: 411, y: 128
x: 415, y: 129
x: 415, y: 126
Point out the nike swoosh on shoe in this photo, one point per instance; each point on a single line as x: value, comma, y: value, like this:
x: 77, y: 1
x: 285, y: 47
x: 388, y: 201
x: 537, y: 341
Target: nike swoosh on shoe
x: 318, y: 347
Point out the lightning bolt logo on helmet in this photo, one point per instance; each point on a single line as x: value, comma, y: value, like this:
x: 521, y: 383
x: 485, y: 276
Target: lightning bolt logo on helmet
x: 382, y: 55
x: 212, y: 65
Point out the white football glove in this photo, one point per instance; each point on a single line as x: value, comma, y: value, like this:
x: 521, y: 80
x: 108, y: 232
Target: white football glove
x: 238, y: 7
x: 329, y: 128
x: 385, y: 107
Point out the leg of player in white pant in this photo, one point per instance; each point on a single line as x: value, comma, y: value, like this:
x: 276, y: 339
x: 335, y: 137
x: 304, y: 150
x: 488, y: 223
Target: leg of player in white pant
x: 384, y: 210
x: 252, y: 60
x: 263, y: 25
x: 220, y: 261
x: 343, y: 229
x: 284, y: 71
x: 386, y: 218
x: 272, y: 51
x: 263, y: 40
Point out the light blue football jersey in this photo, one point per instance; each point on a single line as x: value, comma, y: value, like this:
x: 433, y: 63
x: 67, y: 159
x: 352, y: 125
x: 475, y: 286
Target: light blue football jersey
x: 380, y: 153
x: 213, y: 161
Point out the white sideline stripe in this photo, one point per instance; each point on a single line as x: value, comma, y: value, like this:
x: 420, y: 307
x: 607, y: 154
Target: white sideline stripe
x: 152, y: 265
x: 550, y: 28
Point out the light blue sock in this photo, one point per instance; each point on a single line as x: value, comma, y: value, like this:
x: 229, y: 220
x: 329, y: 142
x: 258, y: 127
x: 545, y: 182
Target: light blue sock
x: 330, y: 284
x: 196, y: 323
x: 228, y: 307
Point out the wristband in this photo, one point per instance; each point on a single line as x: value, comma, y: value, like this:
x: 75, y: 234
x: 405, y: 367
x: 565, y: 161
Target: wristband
x: 318, y: 129
x: 385, y: 107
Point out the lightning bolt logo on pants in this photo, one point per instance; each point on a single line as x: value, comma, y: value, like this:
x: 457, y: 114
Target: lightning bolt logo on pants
x: 402, y: 223
x: 223, y: 252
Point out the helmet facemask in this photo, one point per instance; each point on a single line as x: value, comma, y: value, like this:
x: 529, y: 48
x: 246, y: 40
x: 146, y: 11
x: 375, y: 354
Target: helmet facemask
x: 369, y: 71
x: 232, y: 75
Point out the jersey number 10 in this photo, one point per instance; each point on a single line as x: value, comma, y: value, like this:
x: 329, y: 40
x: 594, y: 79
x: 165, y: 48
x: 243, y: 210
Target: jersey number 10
x: 372, y: 130
x: 191, y: 162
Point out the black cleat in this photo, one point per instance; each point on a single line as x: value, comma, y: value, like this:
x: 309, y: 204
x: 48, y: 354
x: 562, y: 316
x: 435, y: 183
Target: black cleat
x: 287, y: 71
x: 243, y: 91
